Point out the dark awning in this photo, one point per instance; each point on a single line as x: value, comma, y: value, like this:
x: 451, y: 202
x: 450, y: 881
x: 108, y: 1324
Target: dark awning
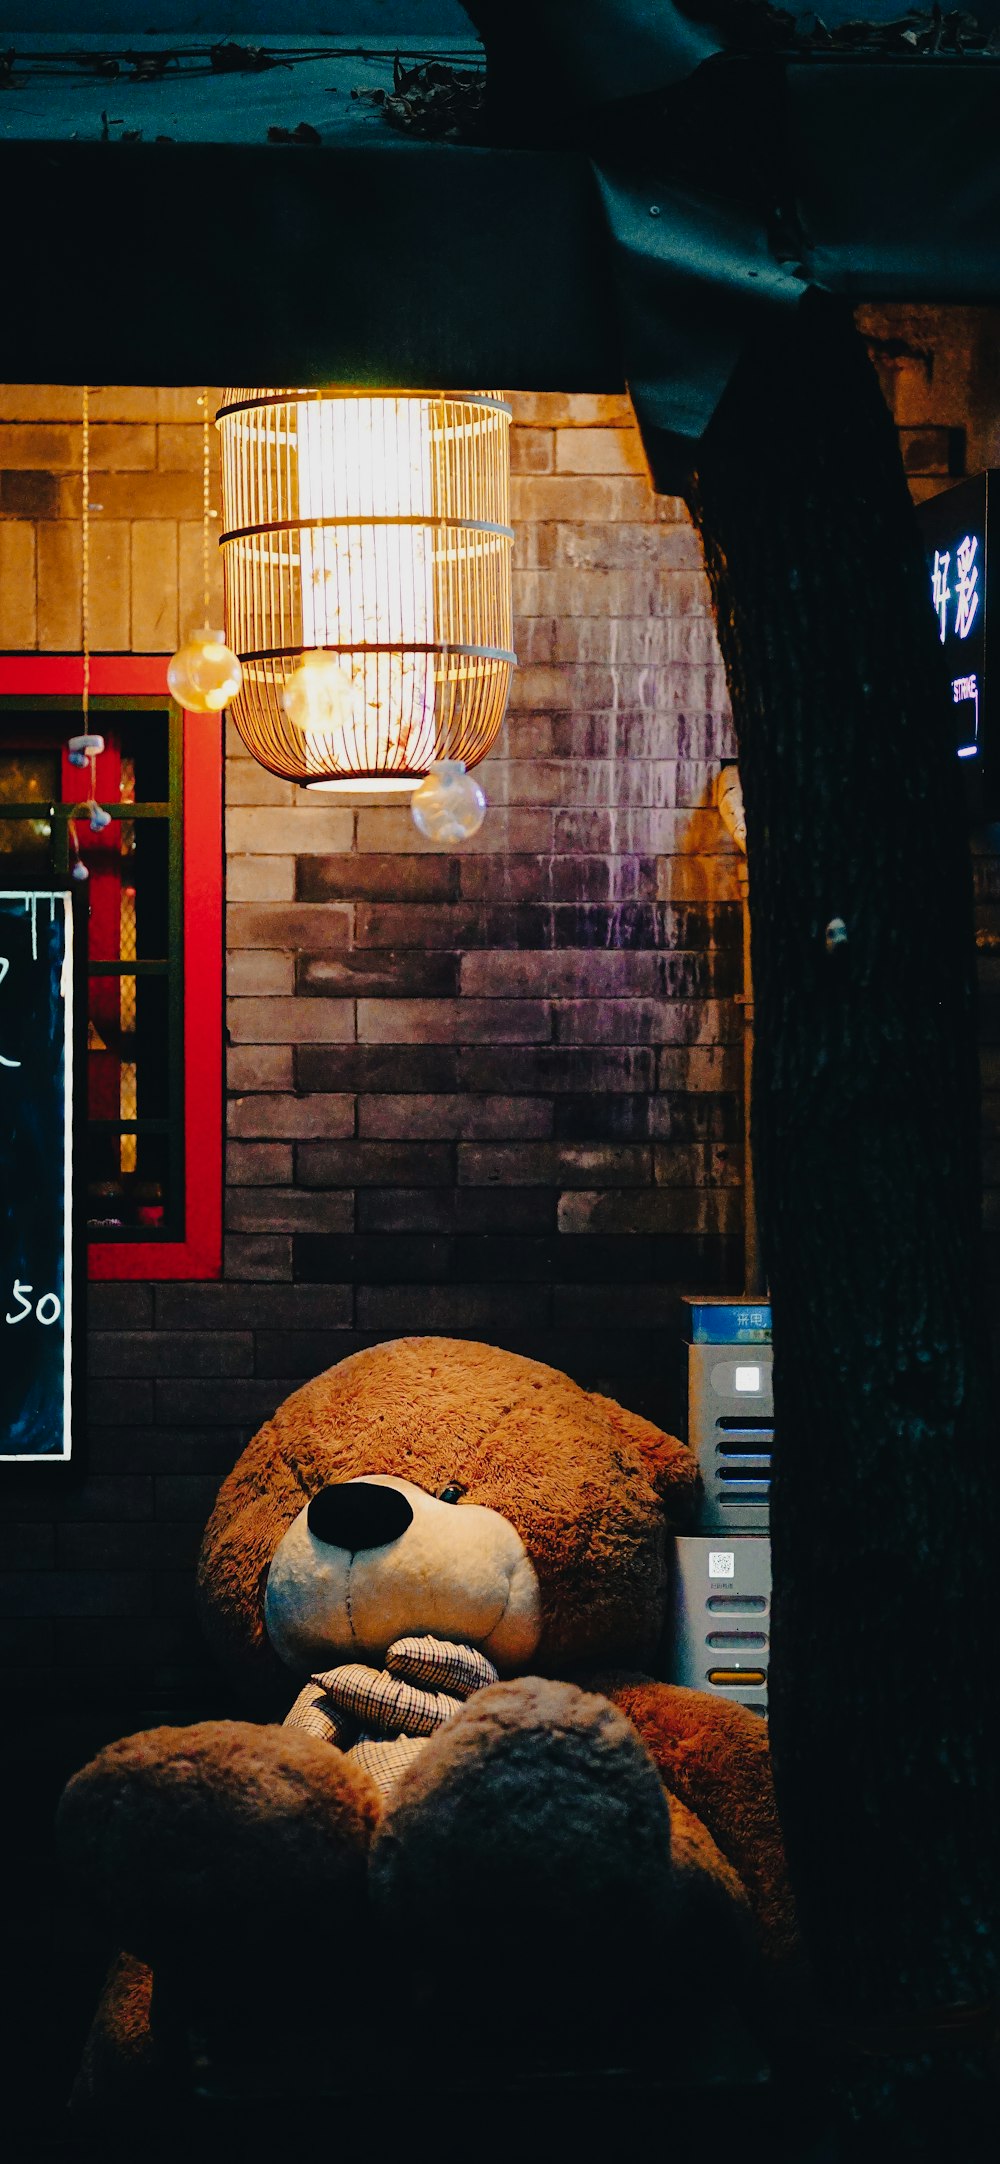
x: 222, y: 256
x: 639, y: 254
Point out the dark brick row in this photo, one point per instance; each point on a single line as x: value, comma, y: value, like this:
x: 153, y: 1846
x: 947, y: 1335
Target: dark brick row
x: 377, y: 878
x: 604, y: 971
x: 580, y: 876
x: 206, y: 1451
x: 586, y: 869
x: 544, y: 1070
x: 472, y: 1164
x: 558, y: 1259
x: 413, y: 1258
x: 455, y: 1209
x: 454, y: 1116
x: 76, y: 1593
x: 129, y: 1353
x: 623, y: 736
x: 677, y: 1115
x: 287, y: 924
x: 500, y: 927
x: 155, y: 1546
x: 602, y: 975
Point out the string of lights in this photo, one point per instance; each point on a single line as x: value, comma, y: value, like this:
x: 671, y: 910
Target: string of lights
x: 85, y: 748
x: 204, y: 675
x: 206, y: 511
x: 85, y: 552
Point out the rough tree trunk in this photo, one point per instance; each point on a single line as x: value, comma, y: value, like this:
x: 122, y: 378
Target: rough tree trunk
x: 866, y: 1145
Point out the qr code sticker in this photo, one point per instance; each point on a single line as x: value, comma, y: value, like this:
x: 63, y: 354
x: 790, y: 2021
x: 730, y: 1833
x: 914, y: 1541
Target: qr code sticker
x: 721, y: 1563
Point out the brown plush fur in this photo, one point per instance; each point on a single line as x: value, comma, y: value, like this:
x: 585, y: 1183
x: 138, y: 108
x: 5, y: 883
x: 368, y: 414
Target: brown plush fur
x: 218, y: 1822
x: 120, y: 2050
x: 713, y: 1755
x: 670, y: 1467
x: 527, y: 1852
x: 598, y: 1825
x: 583, y: 1480
x: 574, y: 1843
x: 534, y: 1835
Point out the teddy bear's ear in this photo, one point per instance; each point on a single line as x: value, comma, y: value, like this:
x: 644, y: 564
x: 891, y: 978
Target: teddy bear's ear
x: 671, y: 1468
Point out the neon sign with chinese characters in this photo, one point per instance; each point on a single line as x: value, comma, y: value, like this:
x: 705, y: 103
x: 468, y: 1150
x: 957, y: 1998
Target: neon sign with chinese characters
x: 957, y: 592
x: 955, y: 526
x: 965, y: 592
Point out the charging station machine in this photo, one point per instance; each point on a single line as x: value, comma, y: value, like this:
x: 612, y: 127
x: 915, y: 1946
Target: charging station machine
x: 722, y: 1582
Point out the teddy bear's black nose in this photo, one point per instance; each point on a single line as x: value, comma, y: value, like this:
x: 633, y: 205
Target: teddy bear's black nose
x: 359, y: 1514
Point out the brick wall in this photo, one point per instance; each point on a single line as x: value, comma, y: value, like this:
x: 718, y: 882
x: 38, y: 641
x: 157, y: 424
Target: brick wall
x: 494, y: 1092
x: 146, y: 495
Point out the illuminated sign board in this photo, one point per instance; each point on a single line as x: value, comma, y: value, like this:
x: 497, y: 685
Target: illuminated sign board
x: 956, y: 530
x: 37, y: 1289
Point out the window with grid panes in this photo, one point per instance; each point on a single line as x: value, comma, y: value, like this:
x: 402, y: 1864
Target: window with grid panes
x: 134, y: 1172
x: 136, y: 1181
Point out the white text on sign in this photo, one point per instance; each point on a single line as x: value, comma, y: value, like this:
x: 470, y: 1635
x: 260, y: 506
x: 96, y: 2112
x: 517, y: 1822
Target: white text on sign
x: 46, y: 1309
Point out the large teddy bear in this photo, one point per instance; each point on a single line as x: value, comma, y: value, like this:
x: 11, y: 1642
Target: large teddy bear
x: 439, y: 1574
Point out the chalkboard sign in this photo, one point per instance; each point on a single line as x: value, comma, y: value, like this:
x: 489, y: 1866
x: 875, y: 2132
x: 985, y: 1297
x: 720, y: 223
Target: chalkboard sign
x: 36, y: 1168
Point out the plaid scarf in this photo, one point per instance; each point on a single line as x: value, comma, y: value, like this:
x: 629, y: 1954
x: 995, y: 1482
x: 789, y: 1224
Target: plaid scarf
x: 382, y: 1717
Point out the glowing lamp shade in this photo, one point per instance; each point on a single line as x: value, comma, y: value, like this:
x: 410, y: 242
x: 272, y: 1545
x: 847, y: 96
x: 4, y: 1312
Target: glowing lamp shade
x: 366, y: 556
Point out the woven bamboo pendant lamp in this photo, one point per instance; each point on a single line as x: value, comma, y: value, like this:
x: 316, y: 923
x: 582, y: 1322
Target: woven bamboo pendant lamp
x: 366, y: 555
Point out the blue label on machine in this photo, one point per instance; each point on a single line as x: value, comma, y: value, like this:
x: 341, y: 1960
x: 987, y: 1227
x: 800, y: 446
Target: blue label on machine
x: 725, y: 1322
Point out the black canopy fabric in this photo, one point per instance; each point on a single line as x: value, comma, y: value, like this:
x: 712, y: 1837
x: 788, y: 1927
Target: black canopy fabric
x: 874, y: 179
x: 649, y: 210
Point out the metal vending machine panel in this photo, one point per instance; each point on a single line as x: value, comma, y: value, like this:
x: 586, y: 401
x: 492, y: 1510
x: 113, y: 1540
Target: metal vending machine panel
x: 722, y: 1587
x: 731, y: 1410
x: 722, y: 1616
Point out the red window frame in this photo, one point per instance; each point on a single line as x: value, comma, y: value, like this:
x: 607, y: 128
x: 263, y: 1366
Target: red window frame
x: 199, y: 1254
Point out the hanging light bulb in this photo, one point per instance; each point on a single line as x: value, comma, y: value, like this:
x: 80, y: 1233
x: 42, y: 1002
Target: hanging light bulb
x: 324, y: 702
x: 449, y: 806
x: 204, y: 675
x: 319, y: 700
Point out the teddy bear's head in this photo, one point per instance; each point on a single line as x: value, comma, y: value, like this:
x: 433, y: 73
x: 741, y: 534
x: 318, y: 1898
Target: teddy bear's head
x: 430, y: 1485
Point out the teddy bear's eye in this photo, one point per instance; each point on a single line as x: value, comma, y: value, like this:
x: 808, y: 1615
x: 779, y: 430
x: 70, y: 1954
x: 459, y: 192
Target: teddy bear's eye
x: 451, y: 1492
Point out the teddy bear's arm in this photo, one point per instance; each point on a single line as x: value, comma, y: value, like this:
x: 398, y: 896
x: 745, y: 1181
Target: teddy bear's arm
x: 713, y: 1754
x: 215, y: 1836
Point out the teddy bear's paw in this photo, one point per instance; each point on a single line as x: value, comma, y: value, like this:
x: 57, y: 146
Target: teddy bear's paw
x: 441, y: 1664
x: 524, y: 1862
x: 314, y: 1714
x: 204, y: 1844
x: 384, y: 1703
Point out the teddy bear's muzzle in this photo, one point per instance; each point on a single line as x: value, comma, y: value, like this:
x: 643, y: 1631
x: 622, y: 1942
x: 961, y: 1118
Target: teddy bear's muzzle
x: 371, y: 1560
